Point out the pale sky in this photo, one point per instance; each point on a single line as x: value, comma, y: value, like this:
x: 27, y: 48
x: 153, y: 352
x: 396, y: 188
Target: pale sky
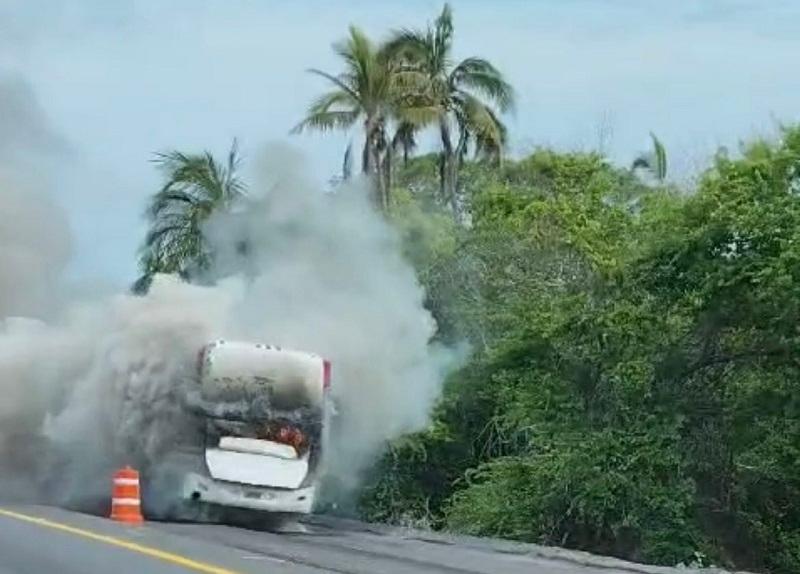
x: 117, y: 81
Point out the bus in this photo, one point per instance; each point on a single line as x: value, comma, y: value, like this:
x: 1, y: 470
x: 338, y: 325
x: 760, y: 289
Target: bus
x: 261, y: 428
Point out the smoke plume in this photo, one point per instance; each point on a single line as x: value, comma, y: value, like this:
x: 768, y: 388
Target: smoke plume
x: 324, y: 272
x: 93, y: 385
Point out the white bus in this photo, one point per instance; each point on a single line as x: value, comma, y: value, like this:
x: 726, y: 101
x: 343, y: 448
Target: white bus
x: 263, y: 415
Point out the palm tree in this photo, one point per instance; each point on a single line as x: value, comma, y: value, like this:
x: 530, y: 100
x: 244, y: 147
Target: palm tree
x: 405, y: 139
x: 654, y: 161
x: 195, y: 187
x: 456, y: 95
x: 364, y: 92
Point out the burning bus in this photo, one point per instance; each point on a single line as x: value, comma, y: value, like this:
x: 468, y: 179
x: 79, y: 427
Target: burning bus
x: 262, y: 415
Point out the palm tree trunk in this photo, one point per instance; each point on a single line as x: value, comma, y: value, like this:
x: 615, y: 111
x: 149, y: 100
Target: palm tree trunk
x: 403, y: 138
x: 455, y: 172
x: 366, y: 155
x: 381, y: 180
x: 445, y: 167
x: 387, y: 174
x: 442, y: 176
x: 347, y: 163
x: 378, y: 180
x: 372, y: 163
x: 367, y: 152
x: 381, y: 164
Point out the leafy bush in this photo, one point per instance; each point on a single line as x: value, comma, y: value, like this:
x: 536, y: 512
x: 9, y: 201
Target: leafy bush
x: 635, y: 383
x: 615, y: 493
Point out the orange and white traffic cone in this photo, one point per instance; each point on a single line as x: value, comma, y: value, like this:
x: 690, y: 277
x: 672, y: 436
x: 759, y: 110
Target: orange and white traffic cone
x: 126, y: 502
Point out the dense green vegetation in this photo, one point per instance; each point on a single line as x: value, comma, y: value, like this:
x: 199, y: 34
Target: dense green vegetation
x: 634, y: 382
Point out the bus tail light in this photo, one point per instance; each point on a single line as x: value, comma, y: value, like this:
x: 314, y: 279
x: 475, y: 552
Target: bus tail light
x: 326, y: 374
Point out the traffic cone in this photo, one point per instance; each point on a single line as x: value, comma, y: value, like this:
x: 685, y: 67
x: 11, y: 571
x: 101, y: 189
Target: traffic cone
x: 126, y: 502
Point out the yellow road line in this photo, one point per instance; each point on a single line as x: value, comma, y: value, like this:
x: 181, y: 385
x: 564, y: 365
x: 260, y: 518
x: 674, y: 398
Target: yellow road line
x: 176, y: 559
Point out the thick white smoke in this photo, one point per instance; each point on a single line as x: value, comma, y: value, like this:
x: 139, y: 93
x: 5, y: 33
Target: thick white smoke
x: 325, y: 273
x: 34, y: 248
x: 95, y: 387
x: 34, y: 235
x: 318, y: 272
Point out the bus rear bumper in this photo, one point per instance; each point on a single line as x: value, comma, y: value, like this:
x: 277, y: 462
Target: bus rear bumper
x: 200, y: 488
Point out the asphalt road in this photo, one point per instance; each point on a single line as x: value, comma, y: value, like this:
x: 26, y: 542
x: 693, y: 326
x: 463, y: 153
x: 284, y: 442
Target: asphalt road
x: 39, y: 540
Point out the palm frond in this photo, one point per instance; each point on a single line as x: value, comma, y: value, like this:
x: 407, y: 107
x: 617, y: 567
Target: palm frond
x: 427, y: 50
x: 481, y: 123
x: 360, y: 57
x: 409, y: 46
x: 320, y: 112
x: 660, y: 153
x: 411, y: 82
x: 142, y: 285
x: 168, y: 200
x: 419, y: 116
x: 325, y: 121
x: 442, y: 38
x: 492, y: 147
x: 405, y: 139
x: 654, y: 161
x: 195, y: 186
x: 365, y: 87
x: 337, y: 81
x: 163, y: 234
x: 195, y: 173
x: 347, y: 162
x: 481, y: 76
x: 234, y: 186
x: 356, y: 48
x: 234, y: 159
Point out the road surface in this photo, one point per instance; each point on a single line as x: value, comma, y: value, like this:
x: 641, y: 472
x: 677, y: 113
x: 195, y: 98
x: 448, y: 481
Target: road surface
x: 39, y: 540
